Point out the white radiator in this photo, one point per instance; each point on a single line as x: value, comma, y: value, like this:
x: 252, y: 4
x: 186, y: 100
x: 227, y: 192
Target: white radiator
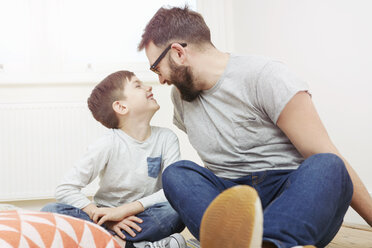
x: 39, y: 142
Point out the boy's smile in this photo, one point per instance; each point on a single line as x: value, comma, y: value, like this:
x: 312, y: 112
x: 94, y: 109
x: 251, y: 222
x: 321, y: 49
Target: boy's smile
x: 139, y: 97
x: 151, y: 97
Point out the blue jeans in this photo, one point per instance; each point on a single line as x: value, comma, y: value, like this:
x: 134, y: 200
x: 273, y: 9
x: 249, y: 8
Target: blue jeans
x: 159, y: 220
x: 301, y: 207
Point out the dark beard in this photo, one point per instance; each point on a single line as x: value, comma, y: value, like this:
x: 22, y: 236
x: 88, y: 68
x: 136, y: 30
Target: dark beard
x: 181, y: 77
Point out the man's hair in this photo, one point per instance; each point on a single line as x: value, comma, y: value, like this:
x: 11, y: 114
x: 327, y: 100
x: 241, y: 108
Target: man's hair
x: 175, y: 25
x: 104, y: 94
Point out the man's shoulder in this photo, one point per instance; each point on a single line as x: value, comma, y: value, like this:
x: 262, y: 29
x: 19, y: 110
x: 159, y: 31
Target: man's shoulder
x: 246, y: 67
x: 251, y: 59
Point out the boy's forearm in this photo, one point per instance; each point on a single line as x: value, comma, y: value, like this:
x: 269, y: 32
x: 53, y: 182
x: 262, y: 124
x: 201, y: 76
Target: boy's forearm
x: 132, y: 208
x: 89, y: 209
x: 102, y: 215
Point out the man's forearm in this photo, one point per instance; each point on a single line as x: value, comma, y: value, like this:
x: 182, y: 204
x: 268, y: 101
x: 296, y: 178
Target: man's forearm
x: 361, y: 201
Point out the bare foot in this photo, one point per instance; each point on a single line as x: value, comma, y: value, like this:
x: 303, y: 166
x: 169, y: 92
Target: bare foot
x: 120, y: 241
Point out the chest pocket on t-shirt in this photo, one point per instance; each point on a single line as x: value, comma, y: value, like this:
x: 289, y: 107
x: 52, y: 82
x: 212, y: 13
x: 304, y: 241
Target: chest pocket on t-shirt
x: 247, y: 132
x: 153, y: 166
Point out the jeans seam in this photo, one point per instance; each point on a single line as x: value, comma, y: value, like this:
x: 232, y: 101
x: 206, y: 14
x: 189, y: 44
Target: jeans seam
x: 262, y: 178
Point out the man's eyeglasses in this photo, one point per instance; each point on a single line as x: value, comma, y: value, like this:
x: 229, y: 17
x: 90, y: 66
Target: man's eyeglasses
x: 162, y: 55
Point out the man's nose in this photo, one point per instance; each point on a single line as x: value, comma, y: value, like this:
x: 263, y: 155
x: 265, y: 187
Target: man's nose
x: 161, y: 79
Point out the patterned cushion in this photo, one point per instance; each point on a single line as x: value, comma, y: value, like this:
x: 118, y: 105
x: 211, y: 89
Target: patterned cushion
x: 21, y: 228
x: 4, y: 207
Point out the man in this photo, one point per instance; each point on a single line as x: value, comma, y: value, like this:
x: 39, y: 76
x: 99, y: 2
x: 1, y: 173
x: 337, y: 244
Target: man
x: 253, y: 123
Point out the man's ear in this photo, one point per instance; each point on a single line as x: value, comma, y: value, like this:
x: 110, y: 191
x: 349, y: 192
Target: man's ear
x: 179, y: 53
x: 119, y: 107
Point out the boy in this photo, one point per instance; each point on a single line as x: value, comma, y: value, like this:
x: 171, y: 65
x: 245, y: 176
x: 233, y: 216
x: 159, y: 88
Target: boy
x: 129, y: 160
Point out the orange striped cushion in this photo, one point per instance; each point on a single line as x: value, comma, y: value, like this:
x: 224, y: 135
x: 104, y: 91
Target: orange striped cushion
x: 21, y: 228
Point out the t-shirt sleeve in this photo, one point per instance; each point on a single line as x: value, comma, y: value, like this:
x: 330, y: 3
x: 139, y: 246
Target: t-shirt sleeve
x: 177, y: 109
x: 153, y: 199
x: 275, y: 87
x: 83, y: 173
x: 171, y: 153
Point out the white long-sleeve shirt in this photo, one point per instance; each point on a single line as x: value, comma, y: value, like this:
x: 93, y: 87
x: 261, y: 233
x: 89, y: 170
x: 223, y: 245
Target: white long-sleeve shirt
x: 129, y: 170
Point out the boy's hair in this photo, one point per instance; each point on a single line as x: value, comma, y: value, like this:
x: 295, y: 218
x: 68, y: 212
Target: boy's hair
x: 175, y: 24
x: 104, y: 94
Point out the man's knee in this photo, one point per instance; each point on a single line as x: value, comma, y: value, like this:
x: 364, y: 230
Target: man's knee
x: 333, y: 166
x: 182, y: 165
x: 329, y: 163
x: 177, y: 178
x: 178, y: 170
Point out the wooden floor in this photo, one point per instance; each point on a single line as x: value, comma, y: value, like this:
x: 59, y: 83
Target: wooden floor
x: 349, y: 236
x: 352, y: 236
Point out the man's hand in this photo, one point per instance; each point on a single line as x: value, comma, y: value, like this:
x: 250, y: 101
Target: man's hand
x: 118, y: 213
x: 128, y: 224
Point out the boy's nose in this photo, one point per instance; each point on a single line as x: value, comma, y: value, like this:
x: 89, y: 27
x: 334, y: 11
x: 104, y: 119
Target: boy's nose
x: 149, y: 88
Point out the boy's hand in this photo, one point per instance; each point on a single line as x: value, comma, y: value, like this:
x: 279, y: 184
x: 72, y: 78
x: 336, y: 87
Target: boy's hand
x: 118, y: 213
x: 90, y: 210
x: 127, y: 225
x: 108, y: 214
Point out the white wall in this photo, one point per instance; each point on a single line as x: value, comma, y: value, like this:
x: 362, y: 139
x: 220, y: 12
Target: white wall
x: 328, y: 44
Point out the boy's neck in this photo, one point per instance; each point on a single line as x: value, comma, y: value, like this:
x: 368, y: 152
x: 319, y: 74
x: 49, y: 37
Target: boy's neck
x: 138, y: 131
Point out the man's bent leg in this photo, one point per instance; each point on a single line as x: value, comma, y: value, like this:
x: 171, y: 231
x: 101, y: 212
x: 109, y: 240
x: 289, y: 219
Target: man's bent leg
x: 190, y: 189
x: 311, y: 208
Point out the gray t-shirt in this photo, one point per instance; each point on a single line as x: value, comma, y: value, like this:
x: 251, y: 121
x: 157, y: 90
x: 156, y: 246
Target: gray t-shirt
x: 233, y: 127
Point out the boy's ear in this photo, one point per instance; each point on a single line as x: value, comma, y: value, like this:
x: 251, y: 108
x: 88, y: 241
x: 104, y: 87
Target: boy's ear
x: 119, y: 107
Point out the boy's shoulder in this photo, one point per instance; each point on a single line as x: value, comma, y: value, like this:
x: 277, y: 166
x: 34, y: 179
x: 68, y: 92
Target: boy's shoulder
x: 105, y: 140
x: 107, y: 136
x: 162, y: 131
